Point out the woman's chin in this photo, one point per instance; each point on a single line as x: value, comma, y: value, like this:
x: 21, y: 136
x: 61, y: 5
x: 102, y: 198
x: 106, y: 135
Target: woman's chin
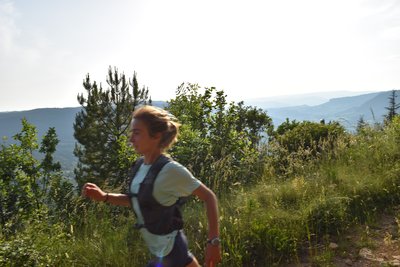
x: 138, y: 151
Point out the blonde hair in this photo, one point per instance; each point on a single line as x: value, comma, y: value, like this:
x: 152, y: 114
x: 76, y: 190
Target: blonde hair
x: 158, y: 120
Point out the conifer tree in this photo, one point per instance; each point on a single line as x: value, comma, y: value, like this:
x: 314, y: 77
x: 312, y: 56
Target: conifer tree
x: 392, y: 108
x: 49, y: 167
x: 361, y: 124
x: 101, y: 129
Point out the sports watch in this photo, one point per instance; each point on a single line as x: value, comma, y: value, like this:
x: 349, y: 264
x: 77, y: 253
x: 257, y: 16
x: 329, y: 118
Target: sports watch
x: 214, y: 242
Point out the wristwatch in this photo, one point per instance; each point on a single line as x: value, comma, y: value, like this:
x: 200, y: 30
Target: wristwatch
x: 214, y: 242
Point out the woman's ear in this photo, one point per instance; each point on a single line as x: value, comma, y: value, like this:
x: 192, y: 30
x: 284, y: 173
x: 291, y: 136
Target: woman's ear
x: 157, y: 136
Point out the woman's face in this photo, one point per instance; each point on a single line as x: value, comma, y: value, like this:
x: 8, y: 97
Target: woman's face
x: 140, y: 138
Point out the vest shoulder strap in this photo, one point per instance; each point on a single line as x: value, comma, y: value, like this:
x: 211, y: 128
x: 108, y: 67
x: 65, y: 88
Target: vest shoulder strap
x: 153, y: 172
x: 156, y: 168
x: 132, y: 172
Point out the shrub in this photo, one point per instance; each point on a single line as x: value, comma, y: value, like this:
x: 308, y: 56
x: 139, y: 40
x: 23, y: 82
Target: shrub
x: 296, y: 146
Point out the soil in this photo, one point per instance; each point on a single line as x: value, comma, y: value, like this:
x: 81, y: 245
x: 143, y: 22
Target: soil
x: 367, y: 245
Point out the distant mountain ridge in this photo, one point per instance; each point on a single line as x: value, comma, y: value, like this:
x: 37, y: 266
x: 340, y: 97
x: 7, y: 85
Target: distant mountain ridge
x: 347, y: 110
x: 309, y: 99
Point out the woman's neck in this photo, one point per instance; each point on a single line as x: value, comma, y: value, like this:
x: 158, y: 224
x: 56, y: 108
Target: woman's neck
x: 152, y: 156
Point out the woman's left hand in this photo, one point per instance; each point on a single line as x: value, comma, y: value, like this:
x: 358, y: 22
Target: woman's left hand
x: 213, y: 255
x: 94, y: 192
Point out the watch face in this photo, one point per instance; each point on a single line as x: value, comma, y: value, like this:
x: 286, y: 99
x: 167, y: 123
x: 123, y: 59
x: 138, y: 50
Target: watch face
x: 215, y: 241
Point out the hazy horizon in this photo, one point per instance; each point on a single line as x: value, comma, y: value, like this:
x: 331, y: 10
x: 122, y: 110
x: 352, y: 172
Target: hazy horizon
x: 311, y: 99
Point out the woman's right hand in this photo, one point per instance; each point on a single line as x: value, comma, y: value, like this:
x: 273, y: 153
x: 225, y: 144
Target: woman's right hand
x: 94, y: 192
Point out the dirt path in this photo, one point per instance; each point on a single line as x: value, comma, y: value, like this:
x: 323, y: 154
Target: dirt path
x: 375, y: 244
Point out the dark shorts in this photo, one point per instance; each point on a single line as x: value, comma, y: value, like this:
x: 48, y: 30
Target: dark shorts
x: 179, y: 256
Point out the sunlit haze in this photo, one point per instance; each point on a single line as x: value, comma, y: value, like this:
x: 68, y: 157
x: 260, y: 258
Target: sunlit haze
x: 249, y: 49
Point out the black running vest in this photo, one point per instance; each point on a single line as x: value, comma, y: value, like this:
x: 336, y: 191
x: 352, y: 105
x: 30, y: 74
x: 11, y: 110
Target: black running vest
x: 158, y: 219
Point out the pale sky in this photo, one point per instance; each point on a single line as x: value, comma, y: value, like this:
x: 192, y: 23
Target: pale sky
x: 247, y: 48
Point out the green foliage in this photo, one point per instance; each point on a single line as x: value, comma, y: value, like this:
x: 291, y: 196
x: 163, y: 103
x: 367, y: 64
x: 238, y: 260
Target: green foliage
x: 309, y: 135
x: 60, y: 199
x: 48, y: 147
x: 295, y: 144
x: 38, y: 244
x: 101, y: 127
x: 286, y: 126
x: 19, y: 172
x: 26, y: 183
x: 218, y: 139
x: 361, y: 125
x: 327, y: 215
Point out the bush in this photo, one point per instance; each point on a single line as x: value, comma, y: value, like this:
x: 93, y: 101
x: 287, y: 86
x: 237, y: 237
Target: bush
x: 294, y: 146
x: 219, y: 142
x: 38, y: 244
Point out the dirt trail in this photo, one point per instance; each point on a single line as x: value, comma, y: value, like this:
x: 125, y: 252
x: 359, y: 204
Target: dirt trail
x: 372, y: 245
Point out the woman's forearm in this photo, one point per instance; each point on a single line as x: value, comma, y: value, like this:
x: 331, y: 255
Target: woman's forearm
x: 211, y: 203
x: 213, y: 250
x: 117, y: 199
x: 212, y: 215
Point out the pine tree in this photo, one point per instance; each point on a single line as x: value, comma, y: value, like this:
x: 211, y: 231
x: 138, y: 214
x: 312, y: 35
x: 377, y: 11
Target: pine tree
x: 49, y: 167
x: 101, y: 129
x: 361, y: 124
x: 392, y: 108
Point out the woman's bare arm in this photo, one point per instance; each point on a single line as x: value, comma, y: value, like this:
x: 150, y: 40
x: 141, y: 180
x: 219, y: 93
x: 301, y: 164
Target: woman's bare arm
x: 94, y: 192
x: 213, y: 253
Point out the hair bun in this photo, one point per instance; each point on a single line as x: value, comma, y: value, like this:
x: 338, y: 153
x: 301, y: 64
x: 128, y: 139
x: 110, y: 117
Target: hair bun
x: 159, y: 121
